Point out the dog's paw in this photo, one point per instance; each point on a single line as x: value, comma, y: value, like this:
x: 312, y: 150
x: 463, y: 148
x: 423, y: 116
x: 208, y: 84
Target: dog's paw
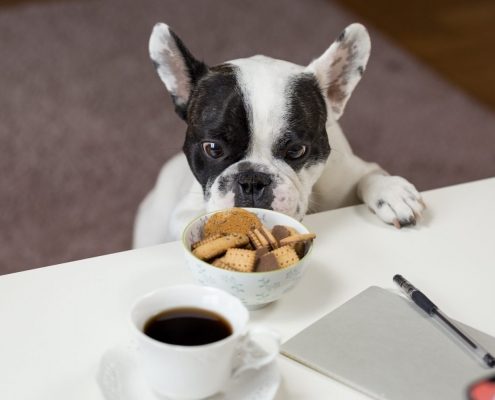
x: 393, y: 199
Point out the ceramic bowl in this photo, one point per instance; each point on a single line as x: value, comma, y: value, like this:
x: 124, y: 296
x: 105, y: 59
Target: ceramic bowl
x: 254, y: 289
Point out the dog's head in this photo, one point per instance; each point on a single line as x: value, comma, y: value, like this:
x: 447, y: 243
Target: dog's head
x: 256, y: 127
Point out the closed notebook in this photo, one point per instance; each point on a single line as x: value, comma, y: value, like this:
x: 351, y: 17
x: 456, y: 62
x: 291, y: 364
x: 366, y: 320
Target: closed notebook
x: 381, y: 344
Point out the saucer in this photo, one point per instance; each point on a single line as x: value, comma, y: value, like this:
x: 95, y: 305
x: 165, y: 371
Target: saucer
x: 120, y: 379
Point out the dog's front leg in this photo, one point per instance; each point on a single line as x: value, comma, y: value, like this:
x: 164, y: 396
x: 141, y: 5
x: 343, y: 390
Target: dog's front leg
x: 392, y: 198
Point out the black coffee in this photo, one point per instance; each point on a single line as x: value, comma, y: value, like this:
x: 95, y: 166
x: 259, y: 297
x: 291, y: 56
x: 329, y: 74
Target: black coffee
x: 187, y: 327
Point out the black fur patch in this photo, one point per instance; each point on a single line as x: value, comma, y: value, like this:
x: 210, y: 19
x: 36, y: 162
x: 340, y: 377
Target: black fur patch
x: 216, y: 113
x: 305, y: 123
x: 341, y: 36
x: 195, y: 69
x: 407, y: 222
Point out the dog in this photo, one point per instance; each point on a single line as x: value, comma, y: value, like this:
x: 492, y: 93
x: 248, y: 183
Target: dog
x: 263, y: 133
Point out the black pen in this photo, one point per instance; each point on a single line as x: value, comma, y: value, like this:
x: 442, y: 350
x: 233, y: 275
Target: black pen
x: 431, y: 309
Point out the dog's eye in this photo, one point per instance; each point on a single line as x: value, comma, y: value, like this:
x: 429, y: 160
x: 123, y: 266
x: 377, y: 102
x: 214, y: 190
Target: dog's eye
x: 213, y: 150
x: 295, y: 151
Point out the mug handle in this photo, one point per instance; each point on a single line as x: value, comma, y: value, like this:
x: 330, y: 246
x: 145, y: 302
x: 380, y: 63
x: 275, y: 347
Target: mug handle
x: 252, y: 355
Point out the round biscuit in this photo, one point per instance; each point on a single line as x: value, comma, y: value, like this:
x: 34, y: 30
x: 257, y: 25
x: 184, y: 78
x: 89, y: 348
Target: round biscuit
x: 233, y: 220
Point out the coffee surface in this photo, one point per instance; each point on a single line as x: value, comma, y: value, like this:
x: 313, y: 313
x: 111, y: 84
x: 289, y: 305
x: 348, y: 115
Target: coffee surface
x: 187, y: 327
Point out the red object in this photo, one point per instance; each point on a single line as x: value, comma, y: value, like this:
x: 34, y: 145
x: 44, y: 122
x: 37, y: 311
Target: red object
x: 483, y: 390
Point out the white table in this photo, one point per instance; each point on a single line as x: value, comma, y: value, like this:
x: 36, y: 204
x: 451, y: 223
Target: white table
x: 55, y: 322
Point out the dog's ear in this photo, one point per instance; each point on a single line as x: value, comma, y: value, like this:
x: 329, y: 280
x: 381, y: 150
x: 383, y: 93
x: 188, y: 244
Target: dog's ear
x: 177, y: 67
x: 340, y: 68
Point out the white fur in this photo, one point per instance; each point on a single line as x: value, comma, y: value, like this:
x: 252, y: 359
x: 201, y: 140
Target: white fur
x: 341, y: 181
x: 263, y: 81
x: 172, y: 71
x: 342, y: 66
x: 176, y: 199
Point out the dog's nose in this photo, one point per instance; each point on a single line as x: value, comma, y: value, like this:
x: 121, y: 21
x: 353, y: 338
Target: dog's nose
x: 253, y: 183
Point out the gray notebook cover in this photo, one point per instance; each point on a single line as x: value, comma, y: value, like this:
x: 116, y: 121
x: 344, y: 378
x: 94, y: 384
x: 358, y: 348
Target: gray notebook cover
x: 384, y: 346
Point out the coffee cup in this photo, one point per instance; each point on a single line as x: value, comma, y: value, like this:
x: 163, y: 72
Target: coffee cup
x: 193, y: 339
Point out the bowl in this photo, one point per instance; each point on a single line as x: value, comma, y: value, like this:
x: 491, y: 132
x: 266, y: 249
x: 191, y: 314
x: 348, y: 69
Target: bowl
x: 254, y: 289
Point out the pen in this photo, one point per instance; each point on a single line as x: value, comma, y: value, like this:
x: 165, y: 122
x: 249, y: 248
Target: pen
x: 431, y: 309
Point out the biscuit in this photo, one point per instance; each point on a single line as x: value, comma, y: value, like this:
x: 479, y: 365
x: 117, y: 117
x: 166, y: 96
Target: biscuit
x: 217, y: 262
x: 258, y: 254
x: 266, y: 263
x: 220, y: 263
x: 206, y: 240
x: 293, y: 231
x: 234, y: 220
x: 261, y: 252
x: 286, y: 256
x: 253, y: 238
x: 300, y: 248
x: 293, y: 239
x: 219, y: 246
x: 299, y: 242
x: 268, y: 235
x: 261, y: 238
x: 241, y: 260
x: 280, y: 232
x: 236, y: 240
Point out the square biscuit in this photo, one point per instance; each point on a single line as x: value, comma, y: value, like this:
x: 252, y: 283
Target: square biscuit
x: 286, y: 256
x: 241, y: 260
x: 220, y: 263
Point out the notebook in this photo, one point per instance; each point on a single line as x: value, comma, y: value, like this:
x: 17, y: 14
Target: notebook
x: 381, y: 344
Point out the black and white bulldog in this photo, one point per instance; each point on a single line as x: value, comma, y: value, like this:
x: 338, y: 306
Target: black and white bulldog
x: 263, y: 133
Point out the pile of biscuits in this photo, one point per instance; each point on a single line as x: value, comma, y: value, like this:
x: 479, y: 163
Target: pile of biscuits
x: 236, y: 240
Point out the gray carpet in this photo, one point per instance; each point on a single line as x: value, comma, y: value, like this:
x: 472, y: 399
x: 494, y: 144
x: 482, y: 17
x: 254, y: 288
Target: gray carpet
x: 85, y: 124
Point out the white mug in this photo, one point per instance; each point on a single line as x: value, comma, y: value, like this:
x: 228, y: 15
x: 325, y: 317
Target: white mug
x: 195, y: 372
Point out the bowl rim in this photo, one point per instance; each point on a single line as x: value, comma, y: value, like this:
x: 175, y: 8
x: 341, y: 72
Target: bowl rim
x: 188, y: 250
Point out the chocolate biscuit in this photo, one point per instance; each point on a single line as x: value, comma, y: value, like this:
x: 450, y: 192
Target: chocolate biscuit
x: 280, y: 232
x: 268, y: 262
